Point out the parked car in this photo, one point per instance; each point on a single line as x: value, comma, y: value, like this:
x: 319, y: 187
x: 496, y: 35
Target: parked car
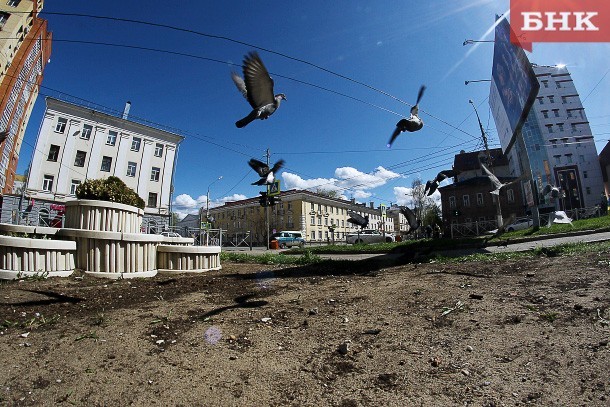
x: 170, y: 234
x: 288, y: 239
x: 369, y: 236
x: 519, y: 224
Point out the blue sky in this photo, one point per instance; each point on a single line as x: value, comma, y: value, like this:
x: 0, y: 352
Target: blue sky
x: 331, y: 138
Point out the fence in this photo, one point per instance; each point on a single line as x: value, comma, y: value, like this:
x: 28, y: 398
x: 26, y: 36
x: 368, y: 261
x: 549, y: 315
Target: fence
x: 481, y: 227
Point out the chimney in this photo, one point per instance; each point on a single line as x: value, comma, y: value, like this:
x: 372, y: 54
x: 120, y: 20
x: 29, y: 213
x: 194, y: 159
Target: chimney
x: 353, y: 201
x: 372, y: 205
x: 126, y: 111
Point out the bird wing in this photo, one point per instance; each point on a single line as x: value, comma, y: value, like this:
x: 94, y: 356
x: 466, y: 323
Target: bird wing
x: 3, y: 135
x: 428, y: 187
x: 547, y: 189
x: 449, y: 173
x: 394, y: 135
x: 277, y: 166
x: 258, y: 82
x: 411, y: 218
x: 491, y: 176
x: 239, y: 82
x: 415, y: 109
x: 356, y: 218
x: 260, y: 167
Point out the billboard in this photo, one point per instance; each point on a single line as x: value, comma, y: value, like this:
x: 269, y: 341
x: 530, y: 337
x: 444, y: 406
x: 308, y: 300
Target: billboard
x: 514, y: 85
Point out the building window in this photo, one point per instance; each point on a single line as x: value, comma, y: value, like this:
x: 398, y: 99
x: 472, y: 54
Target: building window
x: 159, y: 150
x: 564, y: 99
x: 570, y: 113
x: 569, y: 157
x: 47, y: 183
x: 135, y: 144
x: 557, y: 159
x: 79, y: 161
x: 549, y: 128
x: 60, y: 127
x: 154, y: 174
x: 313, y: 221
x: 585, y: 174
x: 560, y: 125
x: 556, y: 112
x: 452, y: 202
x: 3, y: 18
x: 558, y: 85
x: 111, y: 140
x: 582, y: 159
x: 574, y: 129
x: 545, y: 113
x: 545, y: 83
x: 313, y: 235
x: 479, y: 199
x: 86, y: 133
x: 551, y: 99
x: 320, y: 221
x: 106, y: 164
x: 152, y: 200
x: 540, y: 100
x: 588, y: 190
x: 75, y: 183
x: 466, y: 199
x: 13, y: 3
x: 131, y: 169
x: 53, y: 153
x: 510, y: 195
x: 554, y: 143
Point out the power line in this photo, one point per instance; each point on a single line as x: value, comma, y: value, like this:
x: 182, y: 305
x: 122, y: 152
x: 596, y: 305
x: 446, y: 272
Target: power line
x: 228, y: 39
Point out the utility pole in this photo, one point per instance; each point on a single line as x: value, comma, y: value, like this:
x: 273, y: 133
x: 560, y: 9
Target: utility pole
x: 268, y: 154
x: 489, y: 163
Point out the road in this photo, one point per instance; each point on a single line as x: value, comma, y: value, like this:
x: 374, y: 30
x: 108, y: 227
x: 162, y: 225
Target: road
x: 513, y: 247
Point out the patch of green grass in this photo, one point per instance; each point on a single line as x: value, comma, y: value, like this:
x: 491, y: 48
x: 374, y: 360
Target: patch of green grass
x: 271, y: 258
x: 90, y: 335
x: 549, y: 316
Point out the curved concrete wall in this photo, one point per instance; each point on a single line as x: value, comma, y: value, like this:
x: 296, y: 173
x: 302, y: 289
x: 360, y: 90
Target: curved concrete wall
x: 103, y: 216
x: 22, y: 257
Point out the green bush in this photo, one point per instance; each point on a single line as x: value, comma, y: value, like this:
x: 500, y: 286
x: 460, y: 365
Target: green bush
x: 110, y: 189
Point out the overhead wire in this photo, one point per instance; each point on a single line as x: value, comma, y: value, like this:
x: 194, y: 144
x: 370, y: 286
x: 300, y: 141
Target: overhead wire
x: 228, y: 39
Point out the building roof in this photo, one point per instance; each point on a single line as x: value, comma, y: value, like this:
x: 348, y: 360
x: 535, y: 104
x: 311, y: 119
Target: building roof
x: 470, y: 161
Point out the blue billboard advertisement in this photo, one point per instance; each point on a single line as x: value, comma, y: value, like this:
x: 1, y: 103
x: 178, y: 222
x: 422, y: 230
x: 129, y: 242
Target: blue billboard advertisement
x: 514, y: 85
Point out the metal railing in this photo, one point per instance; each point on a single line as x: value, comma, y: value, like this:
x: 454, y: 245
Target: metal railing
x: 476, y: 228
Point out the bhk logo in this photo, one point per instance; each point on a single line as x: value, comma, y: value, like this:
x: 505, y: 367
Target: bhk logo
x: 559, y: 21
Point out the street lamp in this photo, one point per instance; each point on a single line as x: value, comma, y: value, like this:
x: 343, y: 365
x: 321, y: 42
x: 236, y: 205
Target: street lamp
x: 469, y: 42
x: 207, y: 210
x: 478, y: 80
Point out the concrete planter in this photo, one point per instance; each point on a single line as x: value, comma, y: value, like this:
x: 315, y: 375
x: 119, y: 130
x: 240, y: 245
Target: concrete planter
x: 115, y: 255
x: 190, y: 259
x: 25, y: 257
x: 103, y: 216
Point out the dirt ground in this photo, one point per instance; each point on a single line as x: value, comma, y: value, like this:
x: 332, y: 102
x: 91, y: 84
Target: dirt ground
x: 343, y: 334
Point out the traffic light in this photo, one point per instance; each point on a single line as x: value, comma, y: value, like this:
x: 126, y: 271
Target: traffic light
x: 272, y: 200
x: 264, y: 200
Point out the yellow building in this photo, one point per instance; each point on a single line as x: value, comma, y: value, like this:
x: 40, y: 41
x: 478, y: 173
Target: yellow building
x: 299, y: 210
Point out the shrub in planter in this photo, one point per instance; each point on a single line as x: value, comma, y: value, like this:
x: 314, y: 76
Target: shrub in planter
x: 110, y: 189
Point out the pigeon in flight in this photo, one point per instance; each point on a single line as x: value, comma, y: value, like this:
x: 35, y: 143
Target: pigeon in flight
x: 411, y: 218
x: 494, y: 180
x: 3, y: 135
x: 358, y: 220
x: 257, y: 88
x: 267, y: 175
x: 431, y: 186
x: 550, y: 189
x: 413, y: 123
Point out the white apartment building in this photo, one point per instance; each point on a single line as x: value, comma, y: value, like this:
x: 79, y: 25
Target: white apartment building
x: 567, y: 137
x: 76, y: 143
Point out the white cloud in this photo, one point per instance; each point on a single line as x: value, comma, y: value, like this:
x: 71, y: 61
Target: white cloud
x: 403, y: 196
x: 347, y: 181
x: 184, y: 204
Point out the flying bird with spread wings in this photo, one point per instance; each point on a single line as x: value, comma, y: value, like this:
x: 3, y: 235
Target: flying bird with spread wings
x: 550, y: 189
x: 431, y: 186
x: 257, y: 87
x: 412, y: 123
x: 496, y: 182
x: 267, y: 174
x: 358, y: 220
